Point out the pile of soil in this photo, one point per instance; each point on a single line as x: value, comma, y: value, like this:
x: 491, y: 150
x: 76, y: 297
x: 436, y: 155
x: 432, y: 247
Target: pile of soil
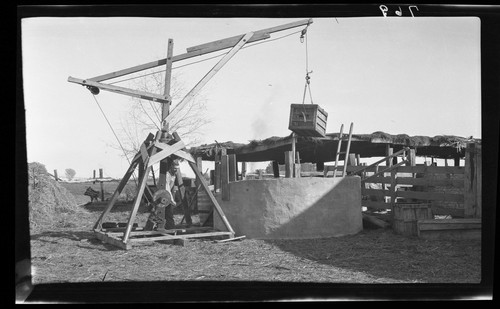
x: 50, y: 204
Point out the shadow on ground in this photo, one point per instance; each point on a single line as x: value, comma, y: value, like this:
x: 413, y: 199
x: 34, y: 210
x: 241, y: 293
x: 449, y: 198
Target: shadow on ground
x: 380, y: 253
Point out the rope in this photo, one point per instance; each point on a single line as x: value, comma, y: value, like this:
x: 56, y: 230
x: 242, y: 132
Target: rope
x: 307, y: 85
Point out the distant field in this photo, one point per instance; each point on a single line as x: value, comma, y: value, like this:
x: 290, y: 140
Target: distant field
x: 79, y: 188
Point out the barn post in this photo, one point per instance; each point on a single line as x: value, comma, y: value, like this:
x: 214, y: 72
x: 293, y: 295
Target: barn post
x: 288, y: 164
x: 472, y: 181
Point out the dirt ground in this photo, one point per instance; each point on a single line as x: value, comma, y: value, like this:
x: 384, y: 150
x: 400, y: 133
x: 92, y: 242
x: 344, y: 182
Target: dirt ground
x: 73, y: 254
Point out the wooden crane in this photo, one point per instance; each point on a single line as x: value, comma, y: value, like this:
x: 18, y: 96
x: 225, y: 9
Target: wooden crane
x: 157, y: 148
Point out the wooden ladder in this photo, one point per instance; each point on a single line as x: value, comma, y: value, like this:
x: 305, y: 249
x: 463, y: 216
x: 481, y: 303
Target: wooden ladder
x: 346, y: 152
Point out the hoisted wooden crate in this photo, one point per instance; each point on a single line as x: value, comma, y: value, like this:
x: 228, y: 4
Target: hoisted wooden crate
x: 308, y: 120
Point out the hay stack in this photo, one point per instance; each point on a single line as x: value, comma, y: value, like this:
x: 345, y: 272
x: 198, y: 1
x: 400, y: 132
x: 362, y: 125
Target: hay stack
x: 50, y: 204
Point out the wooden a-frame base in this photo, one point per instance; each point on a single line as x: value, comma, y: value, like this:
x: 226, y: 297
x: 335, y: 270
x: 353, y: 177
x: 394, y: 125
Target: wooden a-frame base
x: 152, y: 152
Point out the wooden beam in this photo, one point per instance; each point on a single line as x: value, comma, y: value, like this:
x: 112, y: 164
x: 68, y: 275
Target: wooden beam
x: 112, y: 240
x: 196, y: 51
x: 258, y: 35
x: 167, y: 151
x: 191, y: 94
x: 180, y: 153
x: 121, y: 90
x: 434, y: 196
x: 121, y: 185
x: 168, y: 77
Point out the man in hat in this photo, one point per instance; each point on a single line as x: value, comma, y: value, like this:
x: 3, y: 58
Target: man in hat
x: 170, y: 186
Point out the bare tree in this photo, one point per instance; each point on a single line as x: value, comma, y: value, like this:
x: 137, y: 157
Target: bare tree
x: 144, y: 116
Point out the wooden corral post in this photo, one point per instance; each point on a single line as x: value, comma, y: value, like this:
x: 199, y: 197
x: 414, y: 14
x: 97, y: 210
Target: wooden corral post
x: 352, y: 159
x: 472, y: 181
x: 57, y: 178
x: 388, y: 152
x: 296, y: 166
x: 224, y: 173
x: 243, y: 170
x: 276, y: 169
x: 288, y: 164
x: 218, y: 162
x: 102, y: 184
x: 232, y: 167
x: 393, y: 190
x: 457, y: 161
x: 411, y: 157
x: 358, y: 159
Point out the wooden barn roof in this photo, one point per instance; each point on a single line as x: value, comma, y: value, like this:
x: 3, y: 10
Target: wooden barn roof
x: 323, y: 149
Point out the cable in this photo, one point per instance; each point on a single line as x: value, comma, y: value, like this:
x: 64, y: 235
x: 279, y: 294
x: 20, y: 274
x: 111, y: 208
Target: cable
x: 114, y: 133
x: 206, y: 59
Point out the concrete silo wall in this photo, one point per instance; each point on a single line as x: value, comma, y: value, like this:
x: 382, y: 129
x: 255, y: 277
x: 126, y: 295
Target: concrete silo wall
x: 293, y: 207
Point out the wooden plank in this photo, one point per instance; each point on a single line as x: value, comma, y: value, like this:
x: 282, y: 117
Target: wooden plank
x: 167, y: 151
x: 225, y: 178
x: 193, y: 92
x: 433, y: 196
x: 112, y: 240
x: 376, y: 205
x: 454, y: 212
x: 137, y: 200
x: 449, y: 224
x: 230, y: 239
x: 385, y: 170
x: 118, y: 191
x: 183, y: 236
x: 383, y: 180
x: 431, y: 169
x: 375, y: 192
x: 456, y: 183
x: 227, y: 43
x: 121, y: 90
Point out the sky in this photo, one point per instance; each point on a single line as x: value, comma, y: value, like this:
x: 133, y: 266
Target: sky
x: 415, y: 76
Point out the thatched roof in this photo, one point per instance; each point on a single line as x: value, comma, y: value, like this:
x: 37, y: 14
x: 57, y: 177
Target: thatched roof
x: 323, y: 149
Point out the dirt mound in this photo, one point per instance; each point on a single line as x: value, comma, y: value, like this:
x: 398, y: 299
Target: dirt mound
x: 50, y: 204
